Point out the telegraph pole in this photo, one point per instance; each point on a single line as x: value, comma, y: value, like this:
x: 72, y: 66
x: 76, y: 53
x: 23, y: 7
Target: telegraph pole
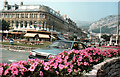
x: 100, y: 32
x: 118, y: 32
x: 118, y: 27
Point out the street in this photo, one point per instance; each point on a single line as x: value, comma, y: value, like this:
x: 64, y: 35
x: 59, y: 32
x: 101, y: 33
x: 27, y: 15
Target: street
x: 7, y: 56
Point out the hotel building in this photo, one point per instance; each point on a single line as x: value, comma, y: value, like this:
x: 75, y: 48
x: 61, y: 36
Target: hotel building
x: 36, y: 18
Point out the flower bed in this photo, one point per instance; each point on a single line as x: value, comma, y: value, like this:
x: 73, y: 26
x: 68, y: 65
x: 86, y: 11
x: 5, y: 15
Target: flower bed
x: 111, y: 46
x: 67, y: 63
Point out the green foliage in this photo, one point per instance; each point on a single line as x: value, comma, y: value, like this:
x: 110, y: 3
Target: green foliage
x: 106, y: 37
x: 5, y: 25
x: 105, y: 29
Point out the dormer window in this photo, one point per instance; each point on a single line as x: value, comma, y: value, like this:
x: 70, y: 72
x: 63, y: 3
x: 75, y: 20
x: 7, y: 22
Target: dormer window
x: 9, y: 7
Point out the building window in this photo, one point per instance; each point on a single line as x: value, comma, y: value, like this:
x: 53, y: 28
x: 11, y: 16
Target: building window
x: 13, y: 15
x: 30, y: 24
x: 35, y: 15
x: 35, y: 24
x: 17, y: 15
x: 8, y: 15
x: 25, y: 24
x: 40, y: 24
x: 22, y: 15
x: 26, y: 15
x: 12, y: 23
x: 51, y: 11
x: 31, y: 15
x: 16, y: 24
x: 21, y: 24
x: 5, y: 15
x: 0, y: 15
x: 41, y: 15
x: 9, y: 22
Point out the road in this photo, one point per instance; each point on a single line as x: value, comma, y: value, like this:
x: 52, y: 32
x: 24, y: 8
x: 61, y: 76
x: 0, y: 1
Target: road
x: 7, y: 56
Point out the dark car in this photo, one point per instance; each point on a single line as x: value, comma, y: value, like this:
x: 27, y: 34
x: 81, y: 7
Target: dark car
x: 55, y: 48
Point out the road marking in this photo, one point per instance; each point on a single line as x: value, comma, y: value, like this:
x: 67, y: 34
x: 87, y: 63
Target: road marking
x: 12, y: 60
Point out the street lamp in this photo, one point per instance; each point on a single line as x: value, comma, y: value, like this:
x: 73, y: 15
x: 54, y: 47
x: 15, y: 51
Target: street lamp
x: 51, y: 33
x: 100, y: 32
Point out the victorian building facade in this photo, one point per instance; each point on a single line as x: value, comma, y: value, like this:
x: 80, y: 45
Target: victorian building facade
x: 36, y: 17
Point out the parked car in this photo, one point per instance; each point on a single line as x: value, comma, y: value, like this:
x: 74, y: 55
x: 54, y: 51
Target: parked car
x: 55, y: 48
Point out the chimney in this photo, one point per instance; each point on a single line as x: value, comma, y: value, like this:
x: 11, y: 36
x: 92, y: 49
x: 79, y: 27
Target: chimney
x: 58, y: 11
x: 64, y: 16
x: 21, y: 3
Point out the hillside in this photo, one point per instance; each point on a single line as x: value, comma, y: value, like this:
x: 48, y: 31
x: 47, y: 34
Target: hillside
x: 84, y: 24
x: 108, y: 25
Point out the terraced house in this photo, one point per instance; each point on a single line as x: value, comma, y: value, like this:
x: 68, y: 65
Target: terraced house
x: 39, y: 18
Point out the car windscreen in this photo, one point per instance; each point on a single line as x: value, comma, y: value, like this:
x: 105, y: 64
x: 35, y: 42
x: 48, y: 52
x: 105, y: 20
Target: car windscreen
x: 61, y: 45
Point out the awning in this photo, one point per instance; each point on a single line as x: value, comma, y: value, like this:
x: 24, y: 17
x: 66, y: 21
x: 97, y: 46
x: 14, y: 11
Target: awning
x: 52, y: 36
x: 43, y: 36
x: 30, y: 34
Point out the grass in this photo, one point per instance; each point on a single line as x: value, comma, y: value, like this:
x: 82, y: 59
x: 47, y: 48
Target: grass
x: 26, y: 45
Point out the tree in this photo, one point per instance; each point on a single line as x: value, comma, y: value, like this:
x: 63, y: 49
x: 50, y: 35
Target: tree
x: 106, y: 37
x: 5, y: 25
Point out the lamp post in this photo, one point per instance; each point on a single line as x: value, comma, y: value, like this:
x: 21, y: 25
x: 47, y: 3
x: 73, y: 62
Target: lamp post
x: 51, y: 33
x: 35, y: 24
x: 118, y: 33
x: 100, y: 32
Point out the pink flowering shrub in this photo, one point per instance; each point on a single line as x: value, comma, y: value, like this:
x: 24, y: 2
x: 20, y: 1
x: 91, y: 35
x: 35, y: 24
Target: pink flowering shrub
x: 31, y: 67
x: 111, y: 53
x: 111, y: 46
x: 66, y: 63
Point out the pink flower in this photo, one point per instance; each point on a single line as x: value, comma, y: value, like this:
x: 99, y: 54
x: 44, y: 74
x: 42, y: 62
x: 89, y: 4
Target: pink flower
x: 57, y: 72
x: 61, y: 66
x: 41, y: 73
x: 32, y: 68
x: 96, y: 60
x: 35, y: 64
x: 79, y: 69
x: 74, y: 58
x: 4, y: 64
x: 90, y: 59
x: 46, y: 68
x: 69, y: 70
x: 55, y: 66
x: 109, y: 55
x: 14, y: 71
x: 77, y: 51
x: 98, y: 53
x: 51, y: 70
x: 1, y: 71
x: 75, y: 70
x: 59, y: 60
x: 85, y: 63
x: 78, y: 63
x: 70, y: 51
x: 94, y: 53
x: 6, y: 71
x: 66, y: 57
x: 71, y: 61
x: 71, y: 66
x: 80, y: 58
x: 21, y: 71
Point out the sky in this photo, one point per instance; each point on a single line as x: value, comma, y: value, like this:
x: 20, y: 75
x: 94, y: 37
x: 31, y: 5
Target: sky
x: 77, y: 10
